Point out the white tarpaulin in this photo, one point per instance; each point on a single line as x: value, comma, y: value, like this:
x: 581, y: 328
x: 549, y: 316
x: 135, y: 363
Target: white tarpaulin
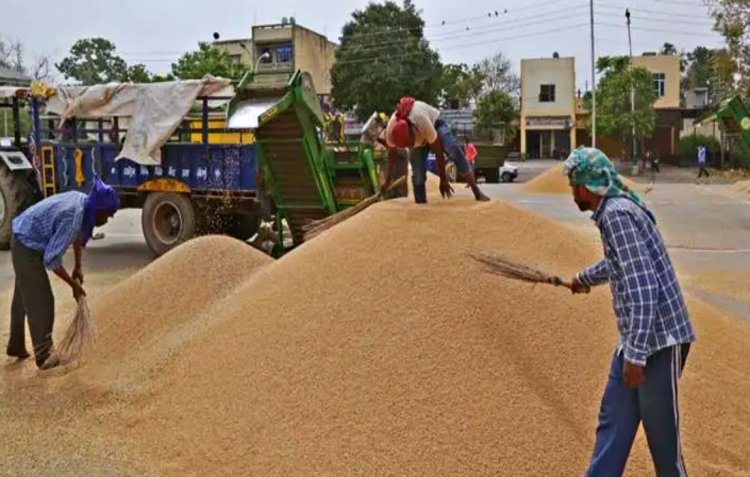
x: 155, y: 110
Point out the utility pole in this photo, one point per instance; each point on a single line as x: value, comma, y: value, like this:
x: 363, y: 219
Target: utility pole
x: 593, y: 77
x: 632, y: 89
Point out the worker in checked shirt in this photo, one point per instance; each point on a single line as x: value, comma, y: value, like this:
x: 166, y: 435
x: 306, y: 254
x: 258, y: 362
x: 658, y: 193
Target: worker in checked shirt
x: 652, y: 318
x: 41, y: 235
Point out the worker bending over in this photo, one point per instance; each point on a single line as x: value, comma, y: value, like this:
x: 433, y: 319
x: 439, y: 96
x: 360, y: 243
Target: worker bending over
x: 417, y: 126
x: 41, y: 235
x: 652, y: 318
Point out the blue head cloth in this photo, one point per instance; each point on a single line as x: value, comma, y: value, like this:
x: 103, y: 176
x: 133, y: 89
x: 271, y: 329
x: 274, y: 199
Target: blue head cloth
x: 101, y: 200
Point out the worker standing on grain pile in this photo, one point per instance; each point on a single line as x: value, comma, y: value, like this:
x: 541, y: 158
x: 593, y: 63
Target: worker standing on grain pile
x: 41, y: 235
x: 652, y: 318
x: 417, y: 126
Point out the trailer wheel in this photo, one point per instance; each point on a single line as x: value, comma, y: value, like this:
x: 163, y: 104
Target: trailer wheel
x: 16, y: 195
x: 492, y: 176
x: 168, y: 220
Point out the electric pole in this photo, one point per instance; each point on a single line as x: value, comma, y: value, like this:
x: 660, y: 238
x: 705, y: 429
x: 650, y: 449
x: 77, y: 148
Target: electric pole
x: 593, y: 78
x: 632, y: 88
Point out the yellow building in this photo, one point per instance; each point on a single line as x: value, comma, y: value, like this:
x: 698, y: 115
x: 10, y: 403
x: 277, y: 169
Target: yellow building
x: 665, y: 71
x: 239, y: 50
x: 548, y: 106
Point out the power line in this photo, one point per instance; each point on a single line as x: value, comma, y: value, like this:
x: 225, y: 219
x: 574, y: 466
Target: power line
x: 652, y: 12
x: 660, y: 30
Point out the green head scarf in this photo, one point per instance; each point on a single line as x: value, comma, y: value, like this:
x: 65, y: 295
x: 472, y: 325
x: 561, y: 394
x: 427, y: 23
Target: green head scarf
x: 589, y: 167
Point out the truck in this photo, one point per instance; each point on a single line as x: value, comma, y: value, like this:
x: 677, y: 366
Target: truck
x: 286, y: 176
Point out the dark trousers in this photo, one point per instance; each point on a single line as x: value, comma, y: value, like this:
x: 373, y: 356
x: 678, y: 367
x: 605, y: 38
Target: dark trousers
x: 703, y: 171
x: 654, y: 403
x: 32, y: 299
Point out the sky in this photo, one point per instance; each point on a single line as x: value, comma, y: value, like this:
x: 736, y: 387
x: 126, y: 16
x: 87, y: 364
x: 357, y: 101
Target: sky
x: 157, y: 32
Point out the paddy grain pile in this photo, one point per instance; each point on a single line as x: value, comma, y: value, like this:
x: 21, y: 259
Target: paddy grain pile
x: 553, y: 181
x: 379, y: 348
x: 144, y: 320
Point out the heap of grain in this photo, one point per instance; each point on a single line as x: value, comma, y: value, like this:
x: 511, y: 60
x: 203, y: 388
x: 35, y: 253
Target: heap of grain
x: 742, y: 186
x: 149, y: 315
x: 553, y: 181
x: 377, y: 348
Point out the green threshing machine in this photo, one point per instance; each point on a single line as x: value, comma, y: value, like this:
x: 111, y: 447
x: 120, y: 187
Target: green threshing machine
x: 304, y: 178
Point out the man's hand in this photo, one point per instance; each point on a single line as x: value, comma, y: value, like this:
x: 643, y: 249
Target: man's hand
x: 633, y: 375
x: 445, y: 188
x: 579, y: 288
x: 77, y: 275
x: 78, y: 291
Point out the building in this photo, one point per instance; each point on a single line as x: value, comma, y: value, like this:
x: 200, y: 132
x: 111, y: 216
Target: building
x: 548, y: 107
x: 284, y: 48
x: 239, y: 50
x: 9, y: 77
x: 666, y: 75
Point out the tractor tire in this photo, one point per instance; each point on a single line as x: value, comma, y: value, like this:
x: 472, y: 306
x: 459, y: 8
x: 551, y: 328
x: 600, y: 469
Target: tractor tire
x: 168, y: 220
x: 244, y: 226
x: 16, y: 194
x: 506, y: 177
x: 451, y: 172
x: 492, y: 176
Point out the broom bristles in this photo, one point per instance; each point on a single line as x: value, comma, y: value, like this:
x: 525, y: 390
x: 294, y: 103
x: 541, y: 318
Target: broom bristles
x: 316, y: 227
x: 500, y: 265
x: 79, y: 338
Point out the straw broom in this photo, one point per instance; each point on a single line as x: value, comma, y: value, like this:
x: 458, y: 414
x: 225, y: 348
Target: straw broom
x: 79, y: 339
x: 316, y: 227
x: 499, y: 265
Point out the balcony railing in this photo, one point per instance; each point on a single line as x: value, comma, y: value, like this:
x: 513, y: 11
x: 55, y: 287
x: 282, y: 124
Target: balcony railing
x: 274, y: 67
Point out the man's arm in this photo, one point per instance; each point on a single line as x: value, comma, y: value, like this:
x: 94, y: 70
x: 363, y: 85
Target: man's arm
x: 78, y: 252
x: 641, y: 282
x: 437, y: 148
x: 594, y: 275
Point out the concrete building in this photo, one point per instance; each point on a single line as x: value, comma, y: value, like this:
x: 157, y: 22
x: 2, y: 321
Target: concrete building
x: 239, y: 50
x: 665, y: 72
x: 10, y: 77
x: 290, y: 47
x: 548, y: 107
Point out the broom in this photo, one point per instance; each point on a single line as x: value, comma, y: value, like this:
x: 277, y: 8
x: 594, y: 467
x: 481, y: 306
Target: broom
x: 79, y: 339
x: 499, y: 265
x: 316, y: 227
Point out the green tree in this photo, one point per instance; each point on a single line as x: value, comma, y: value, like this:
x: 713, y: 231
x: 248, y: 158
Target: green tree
x: 613, y: 109
x: 460, y: 85
x: 496, y: 109
x: 206, y: 60
x: 383, y: 55
x: 669, y: 49
x: 137, y: 74
x: 92, y: 61
x: 732, y: 19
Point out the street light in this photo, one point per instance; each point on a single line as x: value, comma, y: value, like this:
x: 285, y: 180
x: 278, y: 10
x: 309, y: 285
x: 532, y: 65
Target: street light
x: 262, y: 57
x: 593, y: 78
x: 632, y: 86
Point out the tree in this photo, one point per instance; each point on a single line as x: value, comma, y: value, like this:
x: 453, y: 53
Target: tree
x: 383, y: 55
x: 11, y: 55
x: 613, y: 109
x: 206, y: 60
x: 732, y: 20
x: 668, y: 49
x: 496, y: 109
x: 93, y: 61
x: 460, y: 85
x: 499, y: 75
x: 137, y: 74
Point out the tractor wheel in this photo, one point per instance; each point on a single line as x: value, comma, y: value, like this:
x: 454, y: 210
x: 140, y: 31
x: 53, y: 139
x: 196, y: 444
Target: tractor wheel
x: 168, y: 220
x: 451, y: 172
x: 16, y: 195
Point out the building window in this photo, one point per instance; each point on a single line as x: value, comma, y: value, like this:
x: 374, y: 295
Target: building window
x: 284, y: 54
x: 701, y: 99
x: 236, y: 59
x: 660, y: 81
x: 547, y: 93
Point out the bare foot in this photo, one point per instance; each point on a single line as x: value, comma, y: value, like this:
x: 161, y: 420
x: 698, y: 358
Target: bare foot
x: 20, y: 354
x: 480, y: 197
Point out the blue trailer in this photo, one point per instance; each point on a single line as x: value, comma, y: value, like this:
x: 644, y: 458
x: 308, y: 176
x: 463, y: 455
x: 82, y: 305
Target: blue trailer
x: 198, y: 187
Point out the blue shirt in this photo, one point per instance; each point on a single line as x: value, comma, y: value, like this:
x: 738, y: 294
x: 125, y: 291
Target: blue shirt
x: 50, y: 226
x: 650, y: 309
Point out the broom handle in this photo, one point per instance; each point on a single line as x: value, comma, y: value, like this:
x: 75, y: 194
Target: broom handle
x: 398, y: 182
x: 559, y: 282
